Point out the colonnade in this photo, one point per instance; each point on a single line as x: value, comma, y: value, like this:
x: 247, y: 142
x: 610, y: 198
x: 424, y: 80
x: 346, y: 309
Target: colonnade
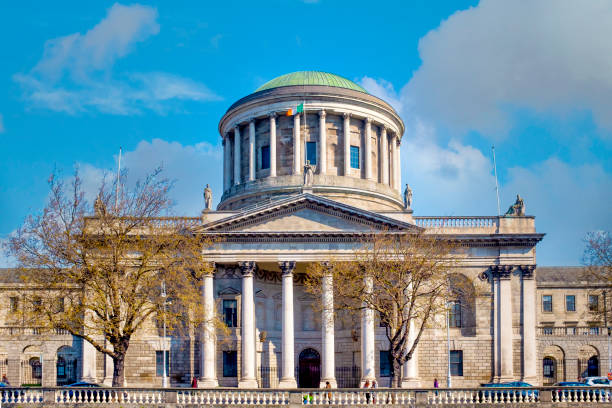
x: 388, y: 154
x: 248, y: 378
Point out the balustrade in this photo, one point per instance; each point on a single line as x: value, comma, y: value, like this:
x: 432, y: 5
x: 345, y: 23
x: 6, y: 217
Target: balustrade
x: 457, y: 222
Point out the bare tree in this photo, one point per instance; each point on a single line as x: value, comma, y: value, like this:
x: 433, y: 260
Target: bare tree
x: 597, y: 258
x: 405, y: 278
x: 99, y: 277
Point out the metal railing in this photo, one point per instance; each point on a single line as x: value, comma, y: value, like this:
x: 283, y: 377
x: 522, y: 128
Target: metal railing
x: 289, y: 398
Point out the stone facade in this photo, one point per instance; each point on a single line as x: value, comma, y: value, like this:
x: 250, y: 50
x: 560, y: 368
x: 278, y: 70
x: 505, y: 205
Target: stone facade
x: 272, y: 225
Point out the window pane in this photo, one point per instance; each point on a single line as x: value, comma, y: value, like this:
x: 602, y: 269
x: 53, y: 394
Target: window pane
x: 385, y: 363
x: 548, y: 367
x: 354, y: 157
x: 455, y: 314
x: 547, y: 303
x: 593, y: 302
x: 159, y: 363
x: 230, y: 364
x: 311, y: 152
x: 230, y: 315
x: 456, y: 360
x: 570, y: 303
x: 265, y: 157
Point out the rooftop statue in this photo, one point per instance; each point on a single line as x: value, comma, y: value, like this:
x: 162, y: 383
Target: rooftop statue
x: 308, y: 174
x: 99, y: 207
x: 208, y: 197
x: 518, y: 208
x: 407, y: 197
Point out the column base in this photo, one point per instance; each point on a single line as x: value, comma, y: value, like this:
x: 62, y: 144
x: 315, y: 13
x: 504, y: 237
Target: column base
x: 332, y: 382
x: 501, y: 379
x: 411, y: 383
x: 248, y: 383
x: 108, y: 381
x: 208, y: 383
x: 531, y: 380
x: 287, y: 383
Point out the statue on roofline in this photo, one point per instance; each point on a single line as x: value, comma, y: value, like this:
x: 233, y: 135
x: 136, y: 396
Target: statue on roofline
x: 207, y: 198
x: 518, y: 208
x: 407, y: 197
x: 308, y: 174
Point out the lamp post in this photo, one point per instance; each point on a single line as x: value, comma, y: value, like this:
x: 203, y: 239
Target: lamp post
x: 165, y: 374
x: 608, y: 328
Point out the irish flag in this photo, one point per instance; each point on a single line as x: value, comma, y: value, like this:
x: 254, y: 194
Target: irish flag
x: 299, y: 109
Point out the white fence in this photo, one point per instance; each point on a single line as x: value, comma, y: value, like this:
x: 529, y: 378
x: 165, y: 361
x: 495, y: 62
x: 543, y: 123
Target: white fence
x: 322, y: 397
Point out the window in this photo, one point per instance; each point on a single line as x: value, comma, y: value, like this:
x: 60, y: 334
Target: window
x: 570, y: 303
x: 265, y: 157
x: 385, y: 363
x: 456, y: 362
x: 36, y: 367
x: 454, y: 317
x: 311, y: 152
x: 593, y: 303
x: 548, y: 367
x: 159, y: 363
x: 230, y: 313
x: 14, y: 303
x: 59, y: 305
x: 547, y: 303
x: 230, y: 363
x: 61, y: 367
x: 354, y: 157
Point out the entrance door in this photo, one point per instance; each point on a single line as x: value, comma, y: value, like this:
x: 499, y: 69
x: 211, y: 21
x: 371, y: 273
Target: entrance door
x: 309, y: 374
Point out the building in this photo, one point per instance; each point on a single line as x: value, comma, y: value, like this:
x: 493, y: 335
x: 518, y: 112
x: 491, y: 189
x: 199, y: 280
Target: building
x: 301, y: 187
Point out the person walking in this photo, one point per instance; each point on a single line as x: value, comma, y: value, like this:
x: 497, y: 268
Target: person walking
x: 436, y: 385
x: 329, y: 394
x: 374, y: 386
x: 5, y: 380
x: 366, y: 385
x: 194, y: 383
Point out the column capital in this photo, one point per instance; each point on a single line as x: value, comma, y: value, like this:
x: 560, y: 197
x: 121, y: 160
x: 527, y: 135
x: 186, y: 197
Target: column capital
x: 247, y: 268
x: 287, y: 267
x: 383, y: 129
x: 527, y: 271
x: 272, y: 115
x: 346, y: 115
x: 211, y: 267
x: 322, y: 113
x: 368, y: 120
x: 501, y: 271
x: 237, y: 127
x: 251, y: 120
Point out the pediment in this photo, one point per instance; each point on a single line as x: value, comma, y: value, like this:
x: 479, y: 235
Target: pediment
x: 309, y: 214
x: 228, y: 291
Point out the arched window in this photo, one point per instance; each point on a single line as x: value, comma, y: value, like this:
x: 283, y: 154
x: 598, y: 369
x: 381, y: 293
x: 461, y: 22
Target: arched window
x: 36, y: 368
x: 454, y: 318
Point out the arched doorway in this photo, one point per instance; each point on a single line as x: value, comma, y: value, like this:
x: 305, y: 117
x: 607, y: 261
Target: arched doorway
x: 593, y: 367
x: 588, y: 361
x: 309, y: 371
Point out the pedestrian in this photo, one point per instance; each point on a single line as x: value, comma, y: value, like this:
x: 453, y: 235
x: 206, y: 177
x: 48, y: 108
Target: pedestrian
x: 436, y: 385
x: 329, y: 396
x: 366, y: 385
x: 194, y: 383
x: 5, y: 380
x: 374, y: 386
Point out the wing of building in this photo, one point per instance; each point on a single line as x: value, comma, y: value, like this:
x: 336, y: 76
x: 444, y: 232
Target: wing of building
x: 311, y: 164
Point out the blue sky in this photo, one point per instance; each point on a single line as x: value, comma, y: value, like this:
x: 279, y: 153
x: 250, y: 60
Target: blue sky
x: 79, y: 79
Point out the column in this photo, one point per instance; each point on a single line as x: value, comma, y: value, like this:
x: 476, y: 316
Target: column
x: 393, y: 166
x: 384, y: 155
x: 237, y: 154
x: 398, y: 153
x: 227, y: 157
x: 322, y: 162
x: 347, y: 143
x: 288, y: 374
x: 109, y: 366
x: 503, y: 309
x: 208, y: 364
x: 368, y: 368
x: 88, y: 359
x: 297, y: 141
x: 368, y: 148
x: 273, y: 145
x: 410, y: 379
x: 252, y: 149
x: 328, y: 363
x: 248, y: 378
x: 530, y: 356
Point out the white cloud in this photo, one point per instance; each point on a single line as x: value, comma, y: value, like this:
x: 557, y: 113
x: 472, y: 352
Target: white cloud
x: 1, y: 124
x: 75, y: 73
x: 548, y: 56
x: 190, y: 166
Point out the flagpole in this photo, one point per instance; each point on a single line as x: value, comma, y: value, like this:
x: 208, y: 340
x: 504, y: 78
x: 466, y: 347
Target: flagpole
x: 117, y: 186
x: 496, y: 183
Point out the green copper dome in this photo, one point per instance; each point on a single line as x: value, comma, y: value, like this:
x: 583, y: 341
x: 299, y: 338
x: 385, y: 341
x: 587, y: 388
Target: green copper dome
x: 311, y: 78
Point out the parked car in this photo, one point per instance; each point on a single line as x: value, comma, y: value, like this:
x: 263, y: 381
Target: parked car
x: 570, y: 390
x: 86, y: 395
x: 506, y: 395
x: 597, y: 381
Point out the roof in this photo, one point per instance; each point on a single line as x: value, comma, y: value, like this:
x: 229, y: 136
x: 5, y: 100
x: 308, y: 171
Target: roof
x: 564, y: 275
x: 311, y: 78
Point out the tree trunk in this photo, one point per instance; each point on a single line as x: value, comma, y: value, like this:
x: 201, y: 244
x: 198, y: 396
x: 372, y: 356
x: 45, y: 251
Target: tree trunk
x: 119, y: 370
x: 397, y: 374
